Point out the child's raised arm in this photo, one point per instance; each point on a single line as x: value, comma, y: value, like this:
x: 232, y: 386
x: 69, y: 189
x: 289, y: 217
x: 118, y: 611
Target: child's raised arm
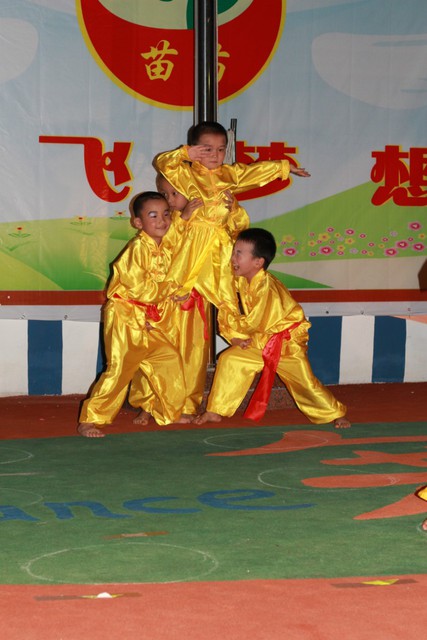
x: 175, y: 167
x: 198, y: 152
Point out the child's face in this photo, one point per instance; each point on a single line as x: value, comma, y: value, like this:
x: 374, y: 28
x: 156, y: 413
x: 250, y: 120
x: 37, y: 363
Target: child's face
x: 154, y: 218
x: 174, y: 199
x: 217, y: 146
x: 243, y: 261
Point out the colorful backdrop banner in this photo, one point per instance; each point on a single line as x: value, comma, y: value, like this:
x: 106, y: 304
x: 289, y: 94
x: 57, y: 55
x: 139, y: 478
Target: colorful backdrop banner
x: 92, y: 90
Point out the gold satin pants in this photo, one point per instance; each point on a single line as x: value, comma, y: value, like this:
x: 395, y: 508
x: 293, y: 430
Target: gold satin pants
x: 194, y: 351
x: 128, y: 350
x: 236, y: 369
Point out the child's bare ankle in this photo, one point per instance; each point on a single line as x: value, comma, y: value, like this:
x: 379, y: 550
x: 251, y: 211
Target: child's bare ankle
x: 208, y: 416
x: 185, y: 418
x: 342, y: 423
x: 142, y: 418
x: 89, y: 430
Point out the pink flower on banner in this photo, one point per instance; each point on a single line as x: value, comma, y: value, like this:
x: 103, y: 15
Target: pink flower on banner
x: 418, y: 246
x: 326, y: 250
x: 349, y: 232
x: 390, y: 252
x: 290, y: 252
x: 402, y: 244
x: 415, y: 225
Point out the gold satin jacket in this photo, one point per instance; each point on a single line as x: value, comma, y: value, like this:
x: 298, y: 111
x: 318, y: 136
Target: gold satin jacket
x: 269, y: 308
x: 138, y: 281
x: 194, y: 180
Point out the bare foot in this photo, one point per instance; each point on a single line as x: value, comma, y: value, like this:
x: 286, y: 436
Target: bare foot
x: 142, y: 418
x: 208, y: 416
x: 89, y: 430
x: 342, y: 423
x: 185, y: 418
x: 424, y: 525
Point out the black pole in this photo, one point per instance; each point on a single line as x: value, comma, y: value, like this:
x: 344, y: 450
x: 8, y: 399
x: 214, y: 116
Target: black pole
x: 206, y: 60
x: 206, y: 90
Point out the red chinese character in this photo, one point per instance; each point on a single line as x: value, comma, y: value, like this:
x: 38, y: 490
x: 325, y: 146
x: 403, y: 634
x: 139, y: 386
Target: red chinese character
x: 98, y: 162
x: 275, y: 151
x: 404, y: 176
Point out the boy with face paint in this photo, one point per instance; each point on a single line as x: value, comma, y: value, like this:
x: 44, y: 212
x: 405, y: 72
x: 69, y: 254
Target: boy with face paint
x: 137, y: 324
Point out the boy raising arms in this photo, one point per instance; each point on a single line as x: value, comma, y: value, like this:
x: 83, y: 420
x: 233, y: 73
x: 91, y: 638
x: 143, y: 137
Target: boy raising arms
x: 196, y: 170
x: 271, y: 337
x: 136, y: 324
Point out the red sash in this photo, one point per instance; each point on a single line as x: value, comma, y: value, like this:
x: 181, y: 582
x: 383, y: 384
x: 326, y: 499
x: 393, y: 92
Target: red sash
x: 271, y: 356
x: 150, y: 309
x: 196, y: 299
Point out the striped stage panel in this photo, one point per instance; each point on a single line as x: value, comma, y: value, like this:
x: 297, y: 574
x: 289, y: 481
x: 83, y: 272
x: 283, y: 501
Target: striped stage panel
x: 61, y: 357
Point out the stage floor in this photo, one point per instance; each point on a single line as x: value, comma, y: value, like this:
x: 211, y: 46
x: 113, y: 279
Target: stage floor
x: 279, y: 529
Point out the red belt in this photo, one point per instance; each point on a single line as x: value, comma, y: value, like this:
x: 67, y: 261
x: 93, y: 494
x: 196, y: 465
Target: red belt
x: 196, y: 299
x: 150, y: 309
x: 271, y: 356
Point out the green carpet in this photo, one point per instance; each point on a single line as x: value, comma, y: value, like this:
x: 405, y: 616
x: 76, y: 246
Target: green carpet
x: 156, y: 507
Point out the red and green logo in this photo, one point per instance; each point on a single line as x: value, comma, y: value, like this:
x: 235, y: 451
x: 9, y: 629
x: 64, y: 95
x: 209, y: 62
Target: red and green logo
x: 147, y: 48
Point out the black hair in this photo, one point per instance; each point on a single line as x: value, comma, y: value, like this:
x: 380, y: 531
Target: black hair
x: 140, y: 200
x: 197, y: 130
x: 263, y: 243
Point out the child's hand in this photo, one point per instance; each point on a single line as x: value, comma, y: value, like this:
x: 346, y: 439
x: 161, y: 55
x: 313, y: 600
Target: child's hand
x: 300, y: 171
x: 240, y: 342
x: 148, y: 326
x: 199, y: 152
x: 191, y: 206
x: 228, y: 200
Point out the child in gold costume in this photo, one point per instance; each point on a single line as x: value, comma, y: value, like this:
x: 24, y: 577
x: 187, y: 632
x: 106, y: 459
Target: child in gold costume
x: 197, y: 171
x: 272, y: 337
x: 192, y: 318
x: 137, y: 320
x: 422, y: 493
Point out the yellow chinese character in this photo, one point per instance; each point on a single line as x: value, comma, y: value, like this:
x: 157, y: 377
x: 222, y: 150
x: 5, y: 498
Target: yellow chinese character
x: 160, y: 68
x: 221, y: 66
